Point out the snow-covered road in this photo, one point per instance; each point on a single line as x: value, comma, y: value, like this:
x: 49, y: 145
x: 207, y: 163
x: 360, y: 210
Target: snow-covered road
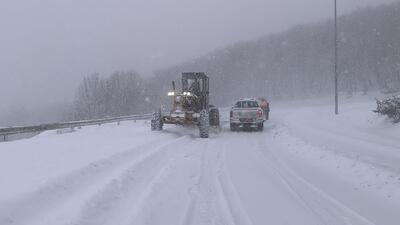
x: 305, y: 168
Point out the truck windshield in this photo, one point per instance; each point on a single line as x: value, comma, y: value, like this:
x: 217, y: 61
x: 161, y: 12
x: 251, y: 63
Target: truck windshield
x: 246, y: 104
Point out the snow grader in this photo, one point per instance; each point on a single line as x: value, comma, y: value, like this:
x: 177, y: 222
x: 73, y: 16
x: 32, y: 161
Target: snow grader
x: 190, y: 107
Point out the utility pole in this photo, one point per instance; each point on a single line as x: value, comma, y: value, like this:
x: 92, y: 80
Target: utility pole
x: 336, y: 65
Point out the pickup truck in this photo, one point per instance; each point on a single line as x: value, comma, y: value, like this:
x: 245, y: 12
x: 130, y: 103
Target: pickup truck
x: 247, y: 113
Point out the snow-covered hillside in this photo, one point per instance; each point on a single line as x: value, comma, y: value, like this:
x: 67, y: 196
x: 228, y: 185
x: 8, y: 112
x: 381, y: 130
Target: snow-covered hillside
x: 307, y: 167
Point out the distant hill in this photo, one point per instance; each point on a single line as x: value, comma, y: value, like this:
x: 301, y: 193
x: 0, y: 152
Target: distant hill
x: 299, y: 61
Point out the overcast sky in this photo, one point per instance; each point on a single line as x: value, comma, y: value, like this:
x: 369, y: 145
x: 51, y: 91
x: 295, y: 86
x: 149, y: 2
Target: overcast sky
x: 47, y: 46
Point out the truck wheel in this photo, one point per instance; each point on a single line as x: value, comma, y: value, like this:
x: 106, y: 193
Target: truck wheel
x: 156, y: 121
x: 204, y: 124
x: 233, y: 127
x: 260, y: 126
x: 214, y: 117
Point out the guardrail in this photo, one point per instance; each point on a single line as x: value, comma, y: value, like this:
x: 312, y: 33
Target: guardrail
x: 5, y: 132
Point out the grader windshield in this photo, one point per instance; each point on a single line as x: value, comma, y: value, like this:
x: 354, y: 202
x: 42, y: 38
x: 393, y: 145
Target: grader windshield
x: 195, y: 83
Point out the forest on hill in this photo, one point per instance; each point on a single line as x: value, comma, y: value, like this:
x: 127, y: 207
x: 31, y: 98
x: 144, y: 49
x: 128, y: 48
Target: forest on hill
x: 297, y: 63
x: 300, y: 61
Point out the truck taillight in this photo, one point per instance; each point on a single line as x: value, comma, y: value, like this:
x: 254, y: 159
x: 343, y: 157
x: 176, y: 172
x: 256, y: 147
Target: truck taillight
x: 259, y: 113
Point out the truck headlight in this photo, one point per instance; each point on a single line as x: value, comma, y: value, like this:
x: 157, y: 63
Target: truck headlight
x: 187, y: 93
x: 171, y: 93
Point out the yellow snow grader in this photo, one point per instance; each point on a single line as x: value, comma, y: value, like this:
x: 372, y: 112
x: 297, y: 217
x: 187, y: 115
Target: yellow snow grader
x: 190, y: 106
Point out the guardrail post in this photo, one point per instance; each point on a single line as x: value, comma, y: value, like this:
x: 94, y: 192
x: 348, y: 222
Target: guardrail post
x: 5, y: 138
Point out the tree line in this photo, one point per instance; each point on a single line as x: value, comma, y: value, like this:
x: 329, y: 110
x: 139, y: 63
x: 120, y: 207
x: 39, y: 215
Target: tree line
x: 122, y: 93
x: 300, y: 61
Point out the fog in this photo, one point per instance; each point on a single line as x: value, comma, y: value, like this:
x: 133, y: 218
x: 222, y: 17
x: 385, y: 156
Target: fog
x: 47, y: 46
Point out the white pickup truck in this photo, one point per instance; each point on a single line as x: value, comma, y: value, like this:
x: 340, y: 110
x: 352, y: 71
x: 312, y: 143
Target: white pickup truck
x: 247, y: 113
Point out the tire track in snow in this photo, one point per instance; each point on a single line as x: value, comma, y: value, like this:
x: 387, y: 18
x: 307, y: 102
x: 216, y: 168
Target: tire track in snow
x: 121, y: 200
x: 193, y: 192
x: 168, y: 200
x: 324, y: 206
x: 231, y: 198
x: 188, y: 214
x: 202, y: 205
x: 214, y: 199
x: 43, y: 205
x: 297, y: 195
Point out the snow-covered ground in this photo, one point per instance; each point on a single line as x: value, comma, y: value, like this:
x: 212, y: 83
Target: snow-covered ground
x: 307, y: 167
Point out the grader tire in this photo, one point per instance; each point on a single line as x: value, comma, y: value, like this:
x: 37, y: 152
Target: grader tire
x: 204, y: 124
x: 156, y: 121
